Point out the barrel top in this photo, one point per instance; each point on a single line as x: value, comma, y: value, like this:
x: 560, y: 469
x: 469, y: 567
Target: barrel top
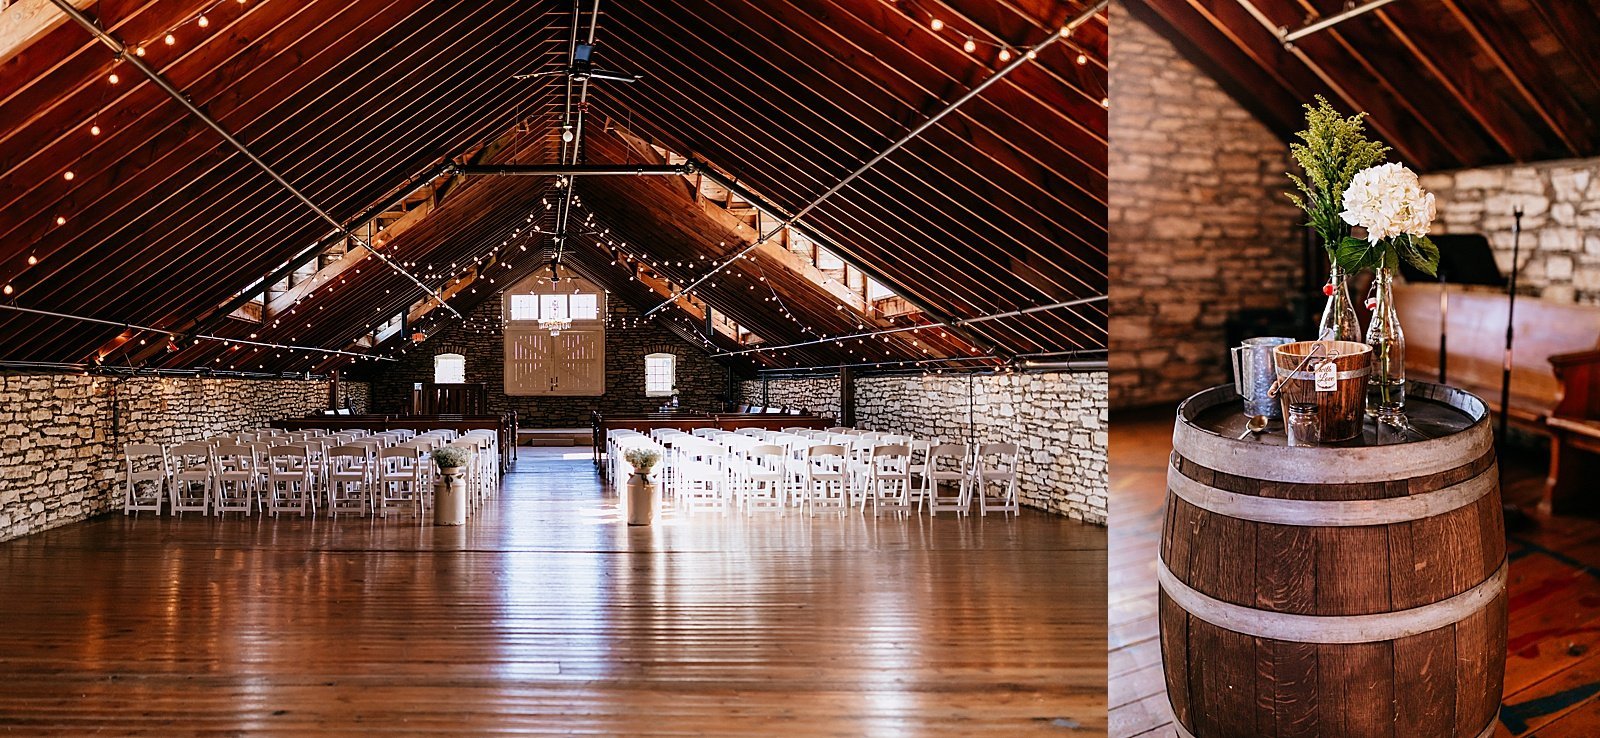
x: 1453, y: 429
x: 1433, y: 410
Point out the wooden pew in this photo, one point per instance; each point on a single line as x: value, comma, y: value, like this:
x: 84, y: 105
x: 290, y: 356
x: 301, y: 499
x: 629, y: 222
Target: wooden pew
x: 1477, y: 344
x: 1554, y: 347
x: 1574, y: 427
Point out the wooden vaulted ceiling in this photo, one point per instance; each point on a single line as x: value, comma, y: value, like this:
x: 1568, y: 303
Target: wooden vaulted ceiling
x: 1448, y: 83
x: 998, y: 207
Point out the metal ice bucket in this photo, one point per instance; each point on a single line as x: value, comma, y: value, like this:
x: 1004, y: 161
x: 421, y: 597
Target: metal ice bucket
x: 1254, y: 372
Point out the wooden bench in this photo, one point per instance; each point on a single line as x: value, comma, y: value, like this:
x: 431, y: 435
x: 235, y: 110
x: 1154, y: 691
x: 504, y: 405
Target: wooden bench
x: 1555, y: 346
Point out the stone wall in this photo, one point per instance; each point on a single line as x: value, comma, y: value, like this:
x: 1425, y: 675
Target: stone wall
x: 1560, y: 224
x: 702, y: 381
x: 818, y: 395
x: 1199, y: 226
x: 1058, y: 420
x: 60, y: 442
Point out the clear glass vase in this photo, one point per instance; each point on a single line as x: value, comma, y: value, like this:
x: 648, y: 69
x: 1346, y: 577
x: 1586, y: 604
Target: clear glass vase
x: 1386, y: 387
x: 1339, y: 322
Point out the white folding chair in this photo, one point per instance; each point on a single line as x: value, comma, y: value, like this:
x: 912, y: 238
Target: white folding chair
x: 889, y: 479
x: 289, y: 479
x: 947, y: 463
x: 192, y: 477
x: 149, y: 477
x: 764, y: 478
x: 400, y: 480
x: 349, y: 479
x: 237, y: 478
x: 827, y: 485
x: 995, y: 465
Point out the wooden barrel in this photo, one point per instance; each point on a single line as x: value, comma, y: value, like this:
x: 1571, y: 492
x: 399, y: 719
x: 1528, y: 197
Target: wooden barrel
x: 1349, y: 591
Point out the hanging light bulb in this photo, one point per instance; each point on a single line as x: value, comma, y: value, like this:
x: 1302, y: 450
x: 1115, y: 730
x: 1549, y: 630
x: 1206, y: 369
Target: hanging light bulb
x: 32, y: 260
x: 7, y: 289
x: 1083, y: 59
x: 113, y: 79
x: 203, y: 22
x: 139, y: 51
x: 566, y: 134
x: 1005, y: 55
x: 94, y: 130
x: 170, y: 39
x: 67, y: 176
x: 936, y: 25
x: 970, y: 46
x: 61, y: 220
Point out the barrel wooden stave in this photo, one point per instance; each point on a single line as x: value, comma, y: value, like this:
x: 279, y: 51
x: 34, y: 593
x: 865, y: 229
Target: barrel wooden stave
x: 1442, y: 682
x: 1445, y: 682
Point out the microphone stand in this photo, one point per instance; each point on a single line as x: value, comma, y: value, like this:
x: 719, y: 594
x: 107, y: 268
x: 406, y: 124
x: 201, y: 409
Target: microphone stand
x: 1513, y: 515
x: 1511, y: 313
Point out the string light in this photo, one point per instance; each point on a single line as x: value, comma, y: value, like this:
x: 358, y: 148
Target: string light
x: 170, y: 39
x: 61, y: 220
x: 1083, y: 59
x: 1005, y: 55
x: 970, y: 46
x: 67, y: 176
x: 113, y: 79
x: 94, y: 130
x: 203, y: 22
x: 936, y: 24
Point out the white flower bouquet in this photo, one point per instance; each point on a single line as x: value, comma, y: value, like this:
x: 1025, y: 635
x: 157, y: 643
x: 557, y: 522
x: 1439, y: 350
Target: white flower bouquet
x: 451, y: 458
x: 644, y: 460
x: 1388, y: 201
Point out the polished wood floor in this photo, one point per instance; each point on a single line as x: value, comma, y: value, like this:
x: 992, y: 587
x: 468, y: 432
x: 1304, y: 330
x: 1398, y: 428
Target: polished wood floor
x: 545, y: 615
x: 1553, y: 669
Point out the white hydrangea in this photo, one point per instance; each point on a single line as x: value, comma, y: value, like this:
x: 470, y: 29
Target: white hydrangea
x: 1388, y: 201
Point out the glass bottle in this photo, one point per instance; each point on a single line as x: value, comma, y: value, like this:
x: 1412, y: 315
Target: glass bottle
x: 1386, y: 387
x: 1339, y: 322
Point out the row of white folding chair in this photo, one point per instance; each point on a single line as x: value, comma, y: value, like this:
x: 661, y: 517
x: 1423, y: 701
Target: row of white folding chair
x: 223, y: 474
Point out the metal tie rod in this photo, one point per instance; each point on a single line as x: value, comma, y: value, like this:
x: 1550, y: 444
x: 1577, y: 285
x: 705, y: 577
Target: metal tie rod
x: 1290, y: 37
x: 978, y: 89
x: 938, y: 324
x: 174, y: 334
x: 570, y: 170
x: 176, y: 94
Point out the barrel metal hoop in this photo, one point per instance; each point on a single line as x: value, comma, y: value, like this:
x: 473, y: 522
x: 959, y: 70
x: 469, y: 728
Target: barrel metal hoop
x: 1488, y: 730
x: 1333, y: 513
x: 1329, y: 464
x: 1283, y: 626
x: 1346, y: 374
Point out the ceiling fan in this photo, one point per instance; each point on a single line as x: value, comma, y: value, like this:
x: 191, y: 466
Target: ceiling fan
x: 582, y: 69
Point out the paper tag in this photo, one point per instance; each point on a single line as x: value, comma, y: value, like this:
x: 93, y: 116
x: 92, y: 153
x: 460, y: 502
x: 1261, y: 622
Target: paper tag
x: 1327, y: 376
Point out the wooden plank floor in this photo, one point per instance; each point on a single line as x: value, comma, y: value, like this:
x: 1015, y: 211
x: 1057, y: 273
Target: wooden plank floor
x: 545, y: 615
x: 1552, y: 672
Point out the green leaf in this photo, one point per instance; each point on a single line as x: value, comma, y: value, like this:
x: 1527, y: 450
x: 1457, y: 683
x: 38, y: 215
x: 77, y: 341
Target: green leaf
x: 1422, y: 254
x: 1354, y: 254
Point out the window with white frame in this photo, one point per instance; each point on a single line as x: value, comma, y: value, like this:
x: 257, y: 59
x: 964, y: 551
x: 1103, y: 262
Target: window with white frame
x: 449, y: 369
x: 660, y: 374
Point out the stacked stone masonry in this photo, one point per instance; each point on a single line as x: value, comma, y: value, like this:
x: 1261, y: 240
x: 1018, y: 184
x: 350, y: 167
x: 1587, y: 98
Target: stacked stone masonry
x: 1057, y: 420
x: 1199, y: 225
x: 1560, y: 225
x: 702, y: 382
x: 61, y: 442
x: 815, y: 395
